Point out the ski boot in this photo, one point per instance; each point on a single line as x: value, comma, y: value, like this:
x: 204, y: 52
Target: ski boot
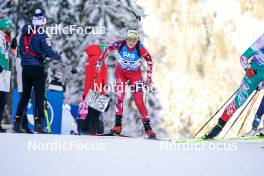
x: 252, y: 132
x: 261, y: 132
x: 25, y: 125
x: 256, y: 122
x: 18, y: 125
x: 116, y: 130
x: 118, y: 125
x: 216, y: 130
x: 80, y: 126
x: 148, y: 130
x: 255, y: 125
x: 2, y: 130
x: 38, y: 127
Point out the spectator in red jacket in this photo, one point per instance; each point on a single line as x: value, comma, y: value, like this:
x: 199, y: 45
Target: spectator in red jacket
x: 94, y: 52
x: 88, y: 121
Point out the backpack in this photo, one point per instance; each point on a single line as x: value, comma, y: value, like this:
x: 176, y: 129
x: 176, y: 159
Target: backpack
x: 27, y: 41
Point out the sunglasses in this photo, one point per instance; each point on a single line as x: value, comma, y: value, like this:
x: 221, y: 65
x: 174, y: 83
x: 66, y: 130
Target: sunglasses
x: 131, y: 39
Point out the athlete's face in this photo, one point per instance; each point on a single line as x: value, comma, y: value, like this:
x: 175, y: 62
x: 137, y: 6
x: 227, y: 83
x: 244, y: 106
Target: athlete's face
x: 131, y: 42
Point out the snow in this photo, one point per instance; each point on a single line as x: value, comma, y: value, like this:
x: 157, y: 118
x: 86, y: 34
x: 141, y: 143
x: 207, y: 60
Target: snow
x: 125, y: 157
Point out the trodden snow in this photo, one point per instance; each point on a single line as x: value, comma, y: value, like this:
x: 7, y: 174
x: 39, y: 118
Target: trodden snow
x: 48, y: 155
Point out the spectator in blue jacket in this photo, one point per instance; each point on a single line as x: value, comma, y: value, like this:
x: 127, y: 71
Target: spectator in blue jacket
x: 34, y: 47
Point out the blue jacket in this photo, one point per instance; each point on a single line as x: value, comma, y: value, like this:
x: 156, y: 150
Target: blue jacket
x: 260, y: 111
x: 39, y: 44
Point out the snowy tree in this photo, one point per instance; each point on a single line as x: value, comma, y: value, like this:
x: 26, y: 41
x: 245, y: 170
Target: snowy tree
x: 116, y: 17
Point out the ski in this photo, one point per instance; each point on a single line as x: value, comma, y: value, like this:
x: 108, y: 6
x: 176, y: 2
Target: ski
x: 252, y: 138
x: 111, y: 134
x: 122, y: 135
x: 159, y: 139
x: 193, y: 140
x: 196, y: 140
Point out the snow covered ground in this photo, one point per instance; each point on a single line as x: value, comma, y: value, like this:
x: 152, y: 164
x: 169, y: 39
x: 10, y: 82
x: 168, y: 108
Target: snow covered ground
x: 64, y: 155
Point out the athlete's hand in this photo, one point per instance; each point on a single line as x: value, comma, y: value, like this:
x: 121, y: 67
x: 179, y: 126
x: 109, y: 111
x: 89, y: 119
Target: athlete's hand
x: 246, y: 65
x: 250, y: 73
x: 99, y: 64
x: 244, y: 62
x: 148, y: 82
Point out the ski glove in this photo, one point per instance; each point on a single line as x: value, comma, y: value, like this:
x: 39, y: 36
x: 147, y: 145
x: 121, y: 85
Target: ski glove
x: 246, y: 65
x: 244, y: 62
x: 148, y: 81
x: 99, y: 64
x: 14, y: 43
x: 250, y: 73
x: 1, y: 69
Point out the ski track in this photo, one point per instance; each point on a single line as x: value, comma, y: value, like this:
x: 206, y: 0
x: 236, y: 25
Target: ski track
x: 126, y: 157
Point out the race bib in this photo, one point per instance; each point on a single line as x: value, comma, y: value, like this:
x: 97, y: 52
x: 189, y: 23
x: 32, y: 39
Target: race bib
x: 129, y: 60
x: 129, y: 65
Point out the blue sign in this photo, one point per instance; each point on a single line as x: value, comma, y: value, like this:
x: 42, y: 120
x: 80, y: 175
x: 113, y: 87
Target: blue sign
x: 54, y: 101
x: 74, y: 110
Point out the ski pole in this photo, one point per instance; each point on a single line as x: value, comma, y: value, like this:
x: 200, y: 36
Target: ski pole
x: 146, y: 88
x: 215, y: 114
x: 45, y: 102
x: 146, y: 95
x: 249, y: 110
x: 240, y: 114
x: 47, y: 115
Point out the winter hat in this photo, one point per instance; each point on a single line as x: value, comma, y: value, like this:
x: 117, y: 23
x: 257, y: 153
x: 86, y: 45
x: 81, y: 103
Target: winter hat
x: 5, y: 23
x: 39, y: 18
x: 132, y: 34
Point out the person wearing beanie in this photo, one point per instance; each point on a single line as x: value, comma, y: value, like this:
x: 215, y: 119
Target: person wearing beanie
x: 39, y: 18
x: 34, y: 47
x: 129, y: 69
x: 7, y: 47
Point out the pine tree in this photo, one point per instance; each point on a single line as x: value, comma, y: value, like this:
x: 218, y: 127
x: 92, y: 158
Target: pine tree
x: 116, y: 16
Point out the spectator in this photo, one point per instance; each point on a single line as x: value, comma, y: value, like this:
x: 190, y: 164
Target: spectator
x: 34, y: 46
x: 89, y: 118
x: 7, y: 48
